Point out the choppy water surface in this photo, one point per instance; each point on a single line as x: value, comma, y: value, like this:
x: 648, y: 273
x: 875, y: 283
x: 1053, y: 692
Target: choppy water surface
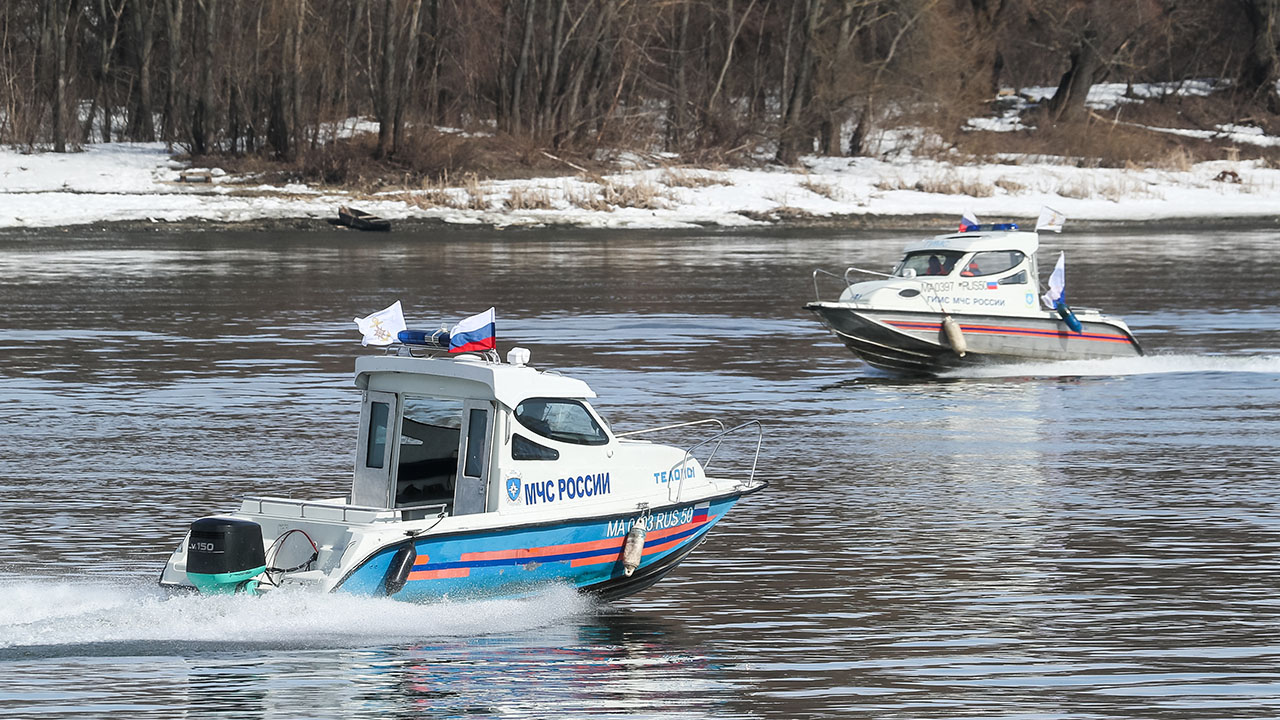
x: 1077, y: 540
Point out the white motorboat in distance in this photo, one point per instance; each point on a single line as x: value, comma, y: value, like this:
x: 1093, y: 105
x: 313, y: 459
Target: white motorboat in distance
x: 960, y: 299
x: 475, y: 477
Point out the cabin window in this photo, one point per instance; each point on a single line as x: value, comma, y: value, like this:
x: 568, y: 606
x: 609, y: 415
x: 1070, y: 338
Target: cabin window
x: 930, y: 262
x: 522, y: 448
x: 430, y: 430
x: 376, y: 448
x: 476, y: 430
x: 562, y: 420
x: 990, y: 263
x: 1018, y: 278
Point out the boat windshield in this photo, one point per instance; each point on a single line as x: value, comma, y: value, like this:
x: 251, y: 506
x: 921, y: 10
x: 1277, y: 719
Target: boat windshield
x: 564, y: 420
x: 929, y: 262
x: 990, y: 263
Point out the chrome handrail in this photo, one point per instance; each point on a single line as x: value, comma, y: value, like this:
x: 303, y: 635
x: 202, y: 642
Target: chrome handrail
x: 718, y: 439
x: 817, y: 295
x: 865, y: 272
x: 704, y: 421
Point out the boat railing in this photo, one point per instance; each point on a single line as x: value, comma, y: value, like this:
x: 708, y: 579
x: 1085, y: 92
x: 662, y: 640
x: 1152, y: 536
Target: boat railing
x: 322, y: 511
x: 817, y: 294
x: 715, y: 442
x: 705, y: 421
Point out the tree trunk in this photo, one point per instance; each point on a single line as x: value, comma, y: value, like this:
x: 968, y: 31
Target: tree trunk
x: 793, y: 130
x: 173, y: 34
x: 387, y: 83
x: 410, y: 63
x: 601, y: 65
x: 141, y: 123
x: 1260, y: 68
x: 784, y: 82
x: 110, y: 16
x: 1067, y: 104
x: 434, y: 110
x: 522, y: 66
x: 551, y: 81
x: 734, y: 30
x: 988, y: 17
x: 677, y: 126
x: 277, y: 126
x: 202, y: 117
x: 573, y: 93
x: 295, y: 83
x: 61, y: 13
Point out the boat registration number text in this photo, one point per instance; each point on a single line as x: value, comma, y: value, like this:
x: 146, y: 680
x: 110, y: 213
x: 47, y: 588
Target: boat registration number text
x: 656, y: 521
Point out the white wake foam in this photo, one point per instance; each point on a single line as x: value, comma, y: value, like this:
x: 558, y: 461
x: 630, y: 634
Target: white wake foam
x: 51, y: 612
x: 1147, y: 365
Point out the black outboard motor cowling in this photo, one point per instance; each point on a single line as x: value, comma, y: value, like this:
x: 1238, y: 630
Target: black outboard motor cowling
x: 224, y: 554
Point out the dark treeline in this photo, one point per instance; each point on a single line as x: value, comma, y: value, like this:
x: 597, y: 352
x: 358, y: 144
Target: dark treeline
x: 690, y: 76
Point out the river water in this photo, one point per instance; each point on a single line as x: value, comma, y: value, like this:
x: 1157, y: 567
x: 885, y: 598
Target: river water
x: 1075, y: 540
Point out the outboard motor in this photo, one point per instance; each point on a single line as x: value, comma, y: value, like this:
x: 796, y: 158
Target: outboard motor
x: 224, y: 554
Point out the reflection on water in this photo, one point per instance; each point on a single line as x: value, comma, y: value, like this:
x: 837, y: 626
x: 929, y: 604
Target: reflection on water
x: 1093, y: 539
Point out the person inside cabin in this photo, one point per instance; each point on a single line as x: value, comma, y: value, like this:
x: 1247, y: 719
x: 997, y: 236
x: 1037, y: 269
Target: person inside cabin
x: 935, y: 266
x: 970, y: 270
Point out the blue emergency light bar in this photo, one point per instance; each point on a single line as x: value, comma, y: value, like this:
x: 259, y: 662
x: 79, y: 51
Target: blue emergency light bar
x: 995, y: 227
x: 435, y: 339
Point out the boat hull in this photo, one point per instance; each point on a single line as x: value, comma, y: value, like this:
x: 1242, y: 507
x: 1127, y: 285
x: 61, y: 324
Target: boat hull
x: 916, y: 343
x: 586, y: 554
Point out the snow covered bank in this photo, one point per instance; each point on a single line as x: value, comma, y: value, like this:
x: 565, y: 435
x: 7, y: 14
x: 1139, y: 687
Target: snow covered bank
x: 132, y: 182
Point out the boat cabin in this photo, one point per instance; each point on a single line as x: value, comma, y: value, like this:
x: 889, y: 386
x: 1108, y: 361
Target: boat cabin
x: 975, y: 272
x: 435, y: 432
x: 1008, y: 254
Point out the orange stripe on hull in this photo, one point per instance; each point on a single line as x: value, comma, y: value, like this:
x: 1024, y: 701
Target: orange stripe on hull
x: 533, y: 553
x: 664, y: 546
x: 439, y: 574
x: 655, y: 535
x: 659, y: 534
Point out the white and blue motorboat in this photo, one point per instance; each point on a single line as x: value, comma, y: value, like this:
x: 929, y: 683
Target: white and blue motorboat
x: 961, y: 299
x: 476, y: 477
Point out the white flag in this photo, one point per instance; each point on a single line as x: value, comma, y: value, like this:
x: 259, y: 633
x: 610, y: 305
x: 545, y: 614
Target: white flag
x: 1057, y: 282
x: 382, y: 327
x: 1050, y: 219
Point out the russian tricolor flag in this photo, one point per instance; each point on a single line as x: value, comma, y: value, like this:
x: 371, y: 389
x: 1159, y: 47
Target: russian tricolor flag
x: 968, y: 221
x: 993, y: 285
x: 474, y: 334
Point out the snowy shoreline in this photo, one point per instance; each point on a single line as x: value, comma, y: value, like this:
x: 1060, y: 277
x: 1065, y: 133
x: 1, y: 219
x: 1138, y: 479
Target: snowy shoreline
x: 132, y: 185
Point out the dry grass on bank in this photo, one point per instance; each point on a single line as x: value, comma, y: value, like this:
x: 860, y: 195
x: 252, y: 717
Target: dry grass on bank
x: 424, y: 157
x: 826, y: 190
x: 1128, y: 136
x: 945, y: 182
x: 676, y: 177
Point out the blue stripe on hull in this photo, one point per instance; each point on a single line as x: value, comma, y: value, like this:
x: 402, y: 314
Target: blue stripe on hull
x: 515, y: 561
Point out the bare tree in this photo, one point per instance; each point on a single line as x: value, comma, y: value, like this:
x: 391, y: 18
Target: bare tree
x: 202, y: 119
x: 107, y: 25
x: 141, y: 123
x: 793, y: 131
x: 1260, y: 68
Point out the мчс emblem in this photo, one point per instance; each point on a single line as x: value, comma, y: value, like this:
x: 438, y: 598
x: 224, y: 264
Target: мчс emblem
x: 513, y: 488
